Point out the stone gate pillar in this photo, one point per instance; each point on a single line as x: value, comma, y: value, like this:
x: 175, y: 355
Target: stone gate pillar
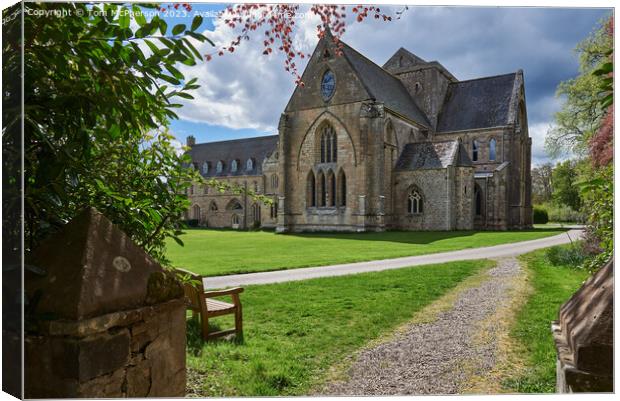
x: 103, y: 318
x: 584, y: 336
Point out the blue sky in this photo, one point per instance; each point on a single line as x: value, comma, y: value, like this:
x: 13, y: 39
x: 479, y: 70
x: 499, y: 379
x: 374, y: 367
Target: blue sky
x: 243, y: 94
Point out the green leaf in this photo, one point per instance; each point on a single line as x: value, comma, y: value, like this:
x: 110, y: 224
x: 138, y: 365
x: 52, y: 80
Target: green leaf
x: 123, y: 19
x: 183, y: 95
x: 178, y: 29
x: 138, y: 16
x: 169, y: 79
x: 163, y: 26
x: 176, y: 73
x: 196, y: 22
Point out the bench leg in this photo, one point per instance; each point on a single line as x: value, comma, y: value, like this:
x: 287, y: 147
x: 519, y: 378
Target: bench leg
x: 238, y: 321
x: 205, y: 327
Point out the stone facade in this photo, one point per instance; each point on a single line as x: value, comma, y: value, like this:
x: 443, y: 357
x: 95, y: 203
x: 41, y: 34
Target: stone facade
x: 405, y: 146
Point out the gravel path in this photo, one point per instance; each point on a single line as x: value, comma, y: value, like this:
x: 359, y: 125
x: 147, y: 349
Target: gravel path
x: 438, y: 357
x: 490, y: 252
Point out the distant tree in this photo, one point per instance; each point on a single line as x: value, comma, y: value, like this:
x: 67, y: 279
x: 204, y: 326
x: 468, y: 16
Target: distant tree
x: 564, y: 181
x: 541, y: 183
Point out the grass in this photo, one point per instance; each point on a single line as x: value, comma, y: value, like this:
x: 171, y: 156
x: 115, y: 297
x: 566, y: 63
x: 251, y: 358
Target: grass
x: 552, y: 285
x: 221, y: 252
x: 294, y: 332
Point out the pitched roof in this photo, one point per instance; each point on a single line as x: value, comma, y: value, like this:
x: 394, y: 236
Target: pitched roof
x: 257, y: 148
x: 477, y: 103
x: 432, y: 155
x: 383, y: 86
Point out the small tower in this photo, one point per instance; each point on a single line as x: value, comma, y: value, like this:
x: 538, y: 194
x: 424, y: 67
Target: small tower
x: 191, y: 140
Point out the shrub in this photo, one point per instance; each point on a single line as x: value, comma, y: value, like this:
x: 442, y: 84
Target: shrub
x: 540, y: 215
x: 562, y: 213
x: 572, y: 255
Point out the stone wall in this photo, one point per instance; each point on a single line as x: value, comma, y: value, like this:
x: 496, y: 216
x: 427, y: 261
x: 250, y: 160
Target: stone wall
x: 133, y: 353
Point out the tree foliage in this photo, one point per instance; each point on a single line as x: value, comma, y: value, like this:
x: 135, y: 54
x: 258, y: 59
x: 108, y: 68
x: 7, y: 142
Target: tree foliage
x: 585, y: 127
x: 97, y: 93
x: 565, y: 189
x: 541, y: 183
x: 581, y: 112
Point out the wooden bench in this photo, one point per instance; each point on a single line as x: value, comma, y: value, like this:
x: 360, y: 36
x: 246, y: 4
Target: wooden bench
x: 201, y: 302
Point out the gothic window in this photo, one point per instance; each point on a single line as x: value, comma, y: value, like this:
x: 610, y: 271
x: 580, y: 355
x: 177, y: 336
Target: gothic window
x: 322, y: 189
x: 274, y: 210
x: 331, y: 194
x: 329, y: 145
x: 237, y: 206
x: 274, y: 181
x: 213, y: 207
x: 414, y: 202
x: 205, y: 168
x: 219, y: 167
x: 342, y: 182
x: 233, y: 166
x: 478, y: 200
x: 205, y: 190
x: 311, y: 190
x: 256, y: 212
x: 235, y: 220
x: 249, y: 165
x: 191, y: 190
x: 492, y: 150
x: 475, y: 147
x: 196, y: 212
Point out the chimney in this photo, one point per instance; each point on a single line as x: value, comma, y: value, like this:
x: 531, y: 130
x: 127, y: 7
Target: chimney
x: 191, y: 140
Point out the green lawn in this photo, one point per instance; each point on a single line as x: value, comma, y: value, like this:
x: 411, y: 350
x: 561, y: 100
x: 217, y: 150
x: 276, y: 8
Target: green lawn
x: 220, y: 252
x: 552, y: 286
x: 295, y: 331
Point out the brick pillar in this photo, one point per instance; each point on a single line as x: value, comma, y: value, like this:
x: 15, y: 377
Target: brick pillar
x: 106, y: 320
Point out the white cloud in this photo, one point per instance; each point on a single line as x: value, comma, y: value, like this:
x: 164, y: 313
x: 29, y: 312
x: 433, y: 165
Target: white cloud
x: 245, y: 89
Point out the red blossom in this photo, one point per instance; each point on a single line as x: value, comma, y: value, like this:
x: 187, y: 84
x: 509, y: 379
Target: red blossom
x: 279, y: 21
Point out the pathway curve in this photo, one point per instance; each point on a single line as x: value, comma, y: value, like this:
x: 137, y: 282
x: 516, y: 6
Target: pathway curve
x: 437, y: 357
x: 492, y: 252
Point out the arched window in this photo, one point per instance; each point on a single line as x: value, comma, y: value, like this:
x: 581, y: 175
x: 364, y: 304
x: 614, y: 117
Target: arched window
x: 256, y: 212
x: 205, y: 190
x: 233, y: 166
x: 331, y: 191
x: 213, y: 207
x: 415, y: 202
x: 219, y: 167
x: 322, y: 189
x: 342, y: 183
x: 237, y: 206
x: 311, y: 190
x: 478, y: 200
x: 492, y: 150
x: 274, y: 181
x: 474, y: 154
x: 196, y: 212
x: 274, y: 210
x: 329, y: 145
x: 249, y: 165
x: 235, y: 220
x: 205, y: 168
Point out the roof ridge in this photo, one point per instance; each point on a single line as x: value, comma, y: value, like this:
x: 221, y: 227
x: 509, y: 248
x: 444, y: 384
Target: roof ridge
x: 236, y: 140
x: 482, y: 78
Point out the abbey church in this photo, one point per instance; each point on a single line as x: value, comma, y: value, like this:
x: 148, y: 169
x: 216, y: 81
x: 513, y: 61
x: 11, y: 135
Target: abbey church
x: 360, y: 147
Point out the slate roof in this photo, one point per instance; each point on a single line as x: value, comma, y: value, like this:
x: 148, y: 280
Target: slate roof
x: 477, y: 103
x: 432, y: 155
x: 258, y: 149
x: 383, y: 86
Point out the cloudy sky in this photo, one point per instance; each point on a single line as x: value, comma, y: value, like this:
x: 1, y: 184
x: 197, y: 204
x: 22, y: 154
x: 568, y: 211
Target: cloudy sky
x: 243, y: 94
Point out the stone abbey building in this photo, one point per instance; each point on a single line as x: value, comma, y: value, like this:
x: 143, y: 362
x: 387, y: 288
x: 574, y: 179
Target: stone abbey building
x: 360, y: 147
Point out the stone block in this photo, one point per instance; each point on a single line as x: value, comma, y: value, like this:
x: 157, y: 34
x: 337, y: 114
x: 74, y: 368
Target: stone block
x: 102, y: 354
